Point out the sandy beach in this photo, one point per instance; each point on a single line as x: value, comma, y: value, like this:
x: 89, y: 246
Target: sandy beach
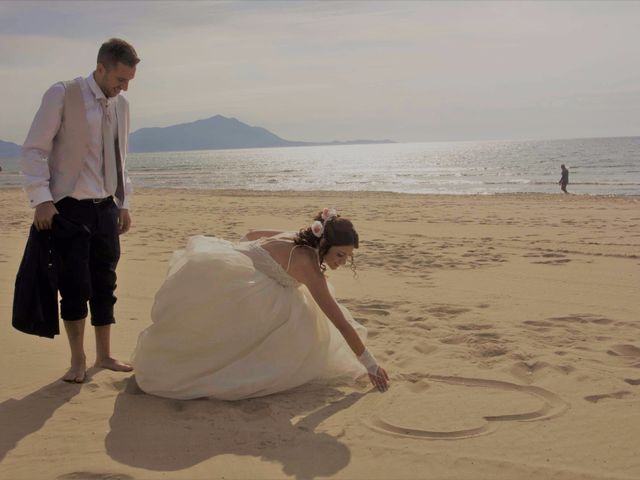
x: 509, y: 324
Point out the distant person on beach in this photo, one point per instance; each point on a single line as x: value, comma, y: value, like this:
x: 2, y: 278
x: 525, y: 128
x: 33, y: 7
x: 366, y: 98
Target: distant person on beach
x: 248, y: 319
x: 73, y: 162
x: 564, y: 179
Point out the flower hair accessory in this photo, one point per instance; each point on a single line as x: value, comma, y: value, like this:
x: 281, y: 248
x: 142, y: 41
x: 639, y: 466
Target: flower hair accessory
x: 328, y: 214
x: 317, y: 228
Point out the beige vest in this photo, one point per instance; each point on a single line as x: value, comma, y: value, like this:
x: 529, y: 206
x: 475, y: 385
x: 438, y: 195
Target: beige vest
x: 70, y: 145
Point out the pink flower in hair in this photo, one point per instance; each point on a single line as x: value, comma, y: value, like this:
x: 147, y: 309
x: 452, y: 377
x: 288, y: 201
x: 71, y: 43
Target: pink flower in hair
x: 328, y: 214
x: 317, y: 228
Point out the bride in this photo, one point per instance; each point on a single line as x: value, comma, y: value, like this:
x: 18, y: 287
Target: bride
x: 247, y: 319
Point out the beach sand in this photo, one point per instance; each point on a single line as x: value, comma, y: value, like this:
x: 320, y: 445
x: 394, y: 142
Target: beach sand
x: 509, y: 324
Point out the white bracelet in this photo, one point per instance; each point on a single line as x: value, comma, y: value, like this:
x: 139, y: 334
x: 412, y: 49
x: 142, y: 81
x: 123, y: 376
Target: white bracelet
x: 369, y: 362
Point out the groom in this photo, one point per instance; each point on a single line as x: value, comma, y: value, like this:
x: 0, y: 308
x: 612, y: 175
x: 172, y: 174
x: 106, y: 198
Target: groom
x: 73, y: 162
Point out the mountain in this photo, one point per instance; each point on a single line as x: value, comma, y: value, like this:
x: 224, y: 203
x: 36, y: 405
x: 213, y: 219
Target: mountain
x: 215, y: 133
x: 9, y: 150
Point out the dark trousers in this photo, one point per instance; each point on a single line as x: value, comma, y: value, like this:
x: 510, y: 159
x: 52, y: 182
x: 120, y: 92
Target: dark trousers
x: 87, y: 265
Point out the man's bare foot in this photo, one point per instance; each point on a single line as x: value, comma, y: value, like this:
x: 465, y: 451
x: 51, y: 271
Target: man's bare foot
x: 113, y: 364
x: 78, y: 371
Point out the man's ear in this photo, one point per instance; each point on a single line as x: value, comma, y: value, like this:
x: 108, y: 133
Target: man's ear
x: 100, y: 69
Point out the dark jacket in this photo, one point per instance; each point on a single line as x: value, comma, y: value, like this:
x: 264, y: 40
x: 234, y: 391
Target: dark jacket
x: 35, y: 298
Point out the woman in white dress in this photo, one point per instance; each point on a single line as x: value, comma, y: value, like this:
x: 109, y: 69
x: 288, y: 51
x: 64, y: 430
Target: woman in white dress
x: 248, y: 319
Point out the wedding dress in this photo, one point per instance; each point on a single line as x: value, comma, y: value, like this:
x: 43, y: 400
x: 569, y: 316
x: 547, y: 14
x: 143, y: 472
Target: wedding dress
x: 229, y: 322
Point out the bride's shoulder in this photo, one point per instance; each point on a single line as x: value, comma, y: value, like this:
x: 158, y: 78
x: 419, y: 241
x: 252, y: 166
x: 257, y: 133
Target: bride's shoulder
x: 305, y: 257
x: 289, y: 237
x: 305, y: 250
x: 252, y: 235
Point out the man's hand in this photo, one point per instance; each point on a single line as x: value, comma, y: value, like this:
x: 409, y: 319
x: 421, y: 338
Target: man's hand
x: 124, y: 222
x: 43, y: 216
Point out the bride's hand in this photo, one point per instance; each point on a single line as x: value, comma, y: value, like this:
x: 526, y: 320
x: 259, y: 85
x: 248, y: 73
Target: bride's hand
x: 377, y: 374
x: 380, y: 380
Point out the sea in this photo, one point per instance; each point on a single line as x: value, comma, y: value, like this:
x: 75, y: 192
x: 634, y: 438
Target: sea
x: 597, y: 166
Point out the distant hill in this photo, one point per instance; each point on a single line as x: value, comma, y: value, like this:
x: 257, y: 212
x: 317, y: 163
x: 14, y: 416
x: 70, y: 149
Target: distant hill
x: 9, y: 150
x: 215, y: 133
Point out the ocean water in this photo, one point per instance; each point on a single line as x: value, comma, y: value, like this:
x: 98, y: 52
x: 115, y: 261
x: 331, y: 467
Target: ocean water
x: 597, y: 166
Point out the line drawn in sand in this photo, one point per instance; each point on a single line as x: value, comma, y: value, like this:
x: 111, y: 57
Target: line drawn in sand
x: 424, y: 407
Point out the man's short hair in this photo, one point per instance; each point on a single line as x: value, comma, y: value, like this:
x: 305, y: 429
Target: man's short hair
x: 116, y: 50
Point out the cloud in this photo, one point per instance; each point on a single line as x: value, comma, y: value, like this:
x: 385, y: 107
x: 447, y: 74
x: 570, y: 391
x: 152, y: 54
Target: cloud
x: 325, y: 70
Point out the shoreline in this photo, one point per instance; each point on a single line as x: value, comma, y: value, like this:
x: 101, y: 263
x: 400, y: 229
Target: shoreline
x: 276, y: 193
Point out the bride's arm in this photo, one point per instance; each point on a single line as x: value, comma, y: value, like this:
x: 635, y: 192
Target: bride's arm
x: 320, y: 291
x: 307, y: 271
x: 255, y: 234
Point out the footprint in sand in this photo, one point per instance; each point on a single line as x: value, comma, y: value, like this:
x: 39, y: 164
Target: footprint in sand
x: 444, y: 408
x: 473, y: 326
x: 371, y: 307
x: 625, y: 351
x: 615, y: 395
x: 530, y: 372
x: 538, y: 323
x: 560, y: 261
x: 630, y: 354
x: 446, y: 311
x: 425, y: 348
x: 94, y: 476
x: 583, y: 318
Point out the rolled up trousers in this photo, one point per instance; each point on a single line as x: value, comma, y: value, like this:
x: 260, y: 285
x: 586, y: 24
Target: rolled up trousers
x: 87, y: 264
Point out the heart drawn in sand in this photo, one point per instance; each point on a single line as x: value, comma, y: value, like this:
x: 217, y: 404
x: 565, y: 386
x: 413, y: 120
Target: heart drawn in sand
x: 451, y: 408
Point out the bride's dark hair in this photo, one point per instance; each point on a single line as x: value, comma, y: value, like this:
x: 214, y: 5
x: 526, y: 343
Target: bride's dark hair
x: 337, y: 232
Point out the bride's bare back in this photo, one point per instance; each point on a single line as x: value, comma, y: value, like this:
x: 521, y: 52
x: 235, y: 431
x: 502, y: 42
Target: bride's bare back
x: 291, y: 257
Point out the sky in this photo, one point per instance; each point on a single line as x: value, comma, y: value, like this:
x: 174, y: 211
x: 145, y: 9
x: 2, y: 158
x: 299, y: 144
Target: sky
x: 320, y: 71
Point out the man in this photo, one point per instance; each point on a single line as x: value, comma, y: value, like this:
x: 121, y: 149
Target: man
x: 564, y: 179
x: 73, y: 162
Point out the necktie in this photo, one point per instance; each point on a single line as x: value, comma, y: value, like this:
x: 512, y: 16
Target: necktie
x: 112, y: 165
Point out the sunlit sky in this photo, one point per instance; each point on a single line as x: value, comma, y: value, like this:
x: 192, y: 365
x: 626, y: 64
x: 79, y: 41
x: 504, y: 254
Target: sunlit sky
x: 322, y: 71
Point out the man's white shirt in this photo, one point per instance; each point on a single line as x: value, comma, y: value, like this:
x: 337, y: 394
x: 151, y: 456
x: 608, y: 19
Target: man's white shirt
x: 39, y: 143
